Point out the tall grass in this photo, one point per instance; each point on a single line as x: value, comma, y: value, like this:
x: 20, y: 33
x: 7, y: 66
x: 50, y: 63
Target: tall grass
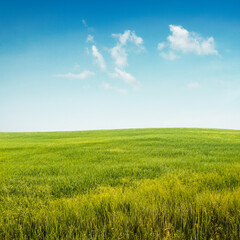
x: 120, y: 184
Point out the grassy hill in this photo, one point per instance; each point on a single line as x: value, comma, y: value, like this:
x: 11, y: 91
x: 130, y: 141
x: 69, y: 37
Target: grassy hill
x: 120, y: 184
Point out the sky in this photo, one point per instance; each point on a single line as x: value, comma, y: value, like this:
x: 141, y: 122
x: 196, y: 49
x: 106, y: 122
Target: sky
x: 84, y: 65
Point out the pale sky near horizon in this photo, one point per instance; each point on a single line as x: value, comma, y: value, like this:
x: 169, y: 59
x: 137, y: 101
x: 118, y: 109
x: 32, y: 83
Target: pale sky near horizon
x: 79, y: 65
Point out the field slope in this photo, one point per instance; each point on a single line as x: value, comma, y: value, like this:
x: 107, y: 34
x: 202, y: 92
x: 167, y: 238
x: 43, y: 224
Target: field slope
x: 120, y: 184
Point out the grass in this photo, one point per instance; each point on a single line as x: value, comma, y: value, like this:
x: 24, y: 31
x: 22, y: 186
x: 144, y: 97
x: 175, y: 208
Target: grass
x: 120, y: 184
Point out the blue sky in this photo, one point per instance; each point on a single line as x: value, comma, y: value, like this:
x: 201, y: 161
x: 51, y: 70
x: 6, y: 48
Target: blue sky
x: 78, y: 65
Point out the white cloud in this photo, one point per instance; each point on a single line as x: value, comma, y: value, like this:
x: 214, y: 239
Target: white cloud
x: 118, y: 52
x: 127, y: 77
x: 119, y: 55
x: 99, y: 58
x: 128, y: 36
x: 85, y: 74
x: 123, y: 38
x: 135, y: 39
x: 184, y: 41
x: 90, y: 38
x: 181, y: 40
x: 193, y: 85
x: 84, y: 23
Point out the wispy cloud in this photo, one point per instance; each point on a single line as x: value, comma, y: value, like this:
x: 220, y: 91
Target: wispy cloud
x: 193, y: 85
x: 118, y: 52
x: 183, y: 41
x: 99, y: 58
x: 127, y: 77
x: 76, y: 67
x: 121, y: 90
x: 87, y: 51
x: 90, y: 38
x: 84, y: 23
x: 85, y: 74
x: 87, y: 26
x: 168, y: 55
x: 107, y: 86
x: 160, y: 46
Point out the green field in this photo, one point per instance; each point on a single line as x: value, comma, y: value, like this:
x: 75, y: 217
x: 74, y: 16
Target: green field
x: 120, y: 184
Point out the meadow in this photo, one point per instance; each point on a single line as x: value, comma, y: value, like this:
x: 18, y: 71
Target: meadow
x: 120, y: 184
